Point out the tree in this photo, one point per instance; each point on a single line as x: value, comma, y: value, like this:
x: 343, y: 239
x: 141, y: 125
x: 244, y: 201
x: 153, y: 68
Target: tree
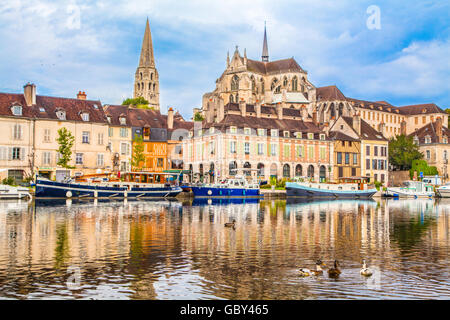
x: 138, y: 102
x: 138, y: 152
x: 65, y: 140
x: 402, y: 152
x: 198, y: 117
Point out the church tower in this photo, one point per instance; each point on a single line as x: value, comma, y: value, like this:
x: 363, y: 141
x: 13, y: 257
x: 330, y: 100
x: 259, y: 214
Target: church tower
x: 146, y: 81
x: 265, y: 52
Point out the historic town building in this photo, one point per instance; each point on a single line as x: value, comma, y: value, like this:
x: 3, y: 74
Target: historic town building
x: 433, y: 141
x: 33, y: 121
x: 146, y: 79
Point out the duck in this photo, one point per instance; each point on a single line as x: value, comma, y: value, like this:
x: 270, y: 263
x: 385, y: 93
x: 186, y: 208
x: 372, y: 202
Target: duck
x: 365, y: 271
x: 305, y: 272
x: 230, y: 224
x: 319, y: 270
x: 335, y: 271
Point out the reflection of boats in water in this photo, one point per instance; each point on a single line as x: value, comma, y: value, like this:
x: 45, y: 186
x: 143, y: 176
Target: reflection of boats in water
x: 130, y: 185
x: 9, y: 192
x: 42, y: 202
x: 411, y: 189
x: 311, y: 201
x: 222, y: 201
x: 347, y: 188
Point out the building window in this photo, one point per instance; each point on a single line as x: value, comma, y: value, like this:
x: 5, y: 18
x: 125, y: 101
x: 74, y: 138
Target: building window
x: 286, y: 134
x: 247, y: 148
x: 299, y: 151
x: 311, y: 152
x: 123, y: 132
x: 110, y: 132
x: 353, y: 172
x: 322, y: 136
x: 367, y: 164
x: 382, y: 177
x: 339, y: 158
x: 428, y: 154
x: 341, y: 172
x: 233, y: 130
x: 260, y: 148
x: 160, y: 162
x: 79, y: 158
x: 17, y: 110
x: 46, y: 135
x: 374, y: 164
x: 211, y: 147
x: 17, y: 132
x: 233, y: 146
x: 287, y: 150
x: 274, y: 133
x: 61, y: 114
x: 85, y: 137
x: 347, y: 158
x: 100, y: 138
x: 46, y: 158
x: 367, y: 150
x: 311, y: 136
x: 355, y: 158
x: 100, y: 160
x: 247, y: 131
x: 295, y: 84
x: 261, y: 132
x: 123, y: 121
x: 85, y: 116
x: 273, y: 149
x: 322, y: 153
x: 123, y: 166
x: 17, y: 153
x: 235, y: 83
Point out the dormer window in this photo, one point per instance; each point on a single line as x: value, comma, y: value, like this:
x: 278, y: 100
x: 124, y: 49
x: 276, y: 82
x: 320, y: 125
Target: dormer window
x: 95, y: 106
x: 274, y: 133
x: 286, y: 134
x: 211, y: 130
x: 311, y: 136
x: 109, y: 119
x: 123, y: 121
x: 41, y: 109
x: 247, y: 131
x: 16, y: 110
x: 298, y: 135
x: 444, y: 140
x: 85, y: 116
x: 322, y: 136
x: 61, y: 114
x: 427, y: 139
x: 233, y: 130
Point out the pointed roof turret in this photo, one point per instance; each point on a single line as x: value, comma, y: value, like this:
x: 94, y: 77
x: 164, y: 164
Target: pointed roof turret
x: 265, y: 52
x: 147, y: 58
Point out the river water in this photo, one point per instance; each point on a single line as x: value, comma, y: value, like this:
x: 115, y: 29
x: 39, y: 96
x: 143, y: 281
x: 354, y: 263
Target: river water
x: 175, y: 250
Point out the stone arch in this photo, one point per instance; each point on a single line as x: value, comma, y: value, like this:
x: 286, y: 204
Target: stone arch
x: 286, y: 171
x: 247, y: 165
x: 322, y: 173
x: 298, y: 170
x: 310, y: 171
x: 260, y: 168
x: 232, y: 168
x: 294, y: 84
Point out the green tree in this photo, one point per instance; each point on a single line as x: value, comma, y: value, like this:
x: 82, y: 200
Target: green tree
x: 138, y: 157
x: 198, y: 117
x: 138, y: 102
x: 402, y: 152
x: 65, y: 140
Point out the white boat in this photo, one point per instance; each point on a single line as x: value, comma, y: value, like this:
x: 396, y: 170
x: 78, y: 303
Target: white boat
x: 10, y: 192
x: 443, y: 191
x: 411, y: 189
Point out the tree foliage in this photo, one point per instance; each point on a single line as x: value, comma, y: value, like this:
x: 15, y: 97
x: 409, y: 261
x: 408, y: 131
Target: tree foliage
x: 138, y: 158
x: 139, y: 102
x: 65, y: 140
x: 448, y: 112
x: 198, y: 117
x: 422, y: 166
x: 402, y: 152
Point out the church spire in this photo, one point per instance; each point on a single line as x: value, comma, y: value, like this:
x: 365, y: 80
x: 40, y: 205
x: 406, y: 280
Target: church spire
x: 147, y: 59
x: 265, y: 52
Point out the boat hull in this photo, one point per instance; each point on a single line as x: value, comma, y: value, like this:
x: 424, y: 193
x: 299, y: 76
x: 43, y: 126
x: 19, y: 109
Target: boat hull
x: 52, y: 189
x: 398, y: 193
x: 296, y: 190
x: 443, y: 193
x: 224, y: 192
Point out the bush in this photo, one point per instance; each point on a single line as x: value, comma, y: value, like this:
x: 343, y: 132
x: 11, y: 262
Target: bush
x: 422, y: 166
x: 378, y: 184
x: 9, y: 181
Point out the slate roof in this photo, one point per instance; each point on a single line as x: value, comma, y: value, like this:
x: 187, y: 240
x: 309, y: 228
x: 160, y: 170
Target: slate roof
x: 430, y: 130
x: 367, y: 131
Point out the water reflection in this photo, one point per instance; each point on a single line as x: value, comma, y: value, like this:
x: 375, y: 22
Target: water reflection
x: 173, y: 250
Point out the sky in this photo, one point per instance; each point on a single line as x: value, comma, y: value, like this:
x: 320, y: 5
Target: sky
x: 396, y: 51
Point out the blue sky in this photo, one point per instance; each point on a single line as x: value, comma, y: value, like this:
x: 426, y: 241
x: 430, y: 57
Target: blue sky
x: 406, y: 61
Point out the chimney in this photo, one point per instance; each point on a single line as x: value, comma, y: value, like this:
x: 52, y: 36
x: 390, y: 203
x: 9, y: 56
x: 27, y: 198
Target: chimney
x: 170, y: 119
x: 314, y: 117
x: 242, y: 107
x: 438, y: 128
x: 357, y: 123
x: 403, y: 128
x: 29, y: 92
x: 258, y: 108
x: 81, y: 95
